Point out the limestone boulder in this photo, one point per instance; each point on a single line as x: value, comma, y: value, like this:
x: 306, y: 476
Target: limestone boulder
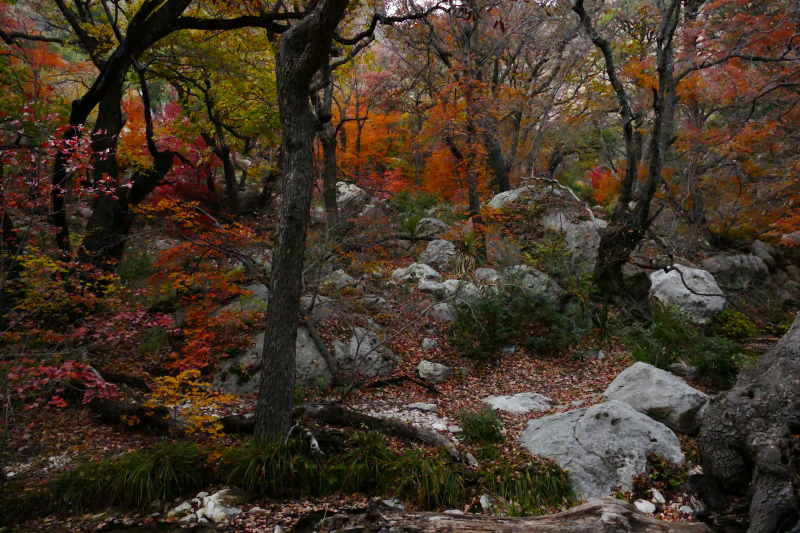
x: 432, y: 227
x: 690, y: 289
x: 661, y: 396
x: 433, y: 372
x: 518, y: 404
x: 737, y: 272
x: 531, y: 281
x: 415, y: 273
x: 603, y: 446
x: 440, y: 254
x: 582, y: 239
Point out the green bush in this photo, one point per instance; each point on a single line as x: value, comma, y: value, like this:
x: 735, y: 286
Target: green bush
x: 135, y: 267
x: 672, y: 338
x: 484, y: 327
x: 428, y: 480
x: 732, y: 324
x: 482, y: 427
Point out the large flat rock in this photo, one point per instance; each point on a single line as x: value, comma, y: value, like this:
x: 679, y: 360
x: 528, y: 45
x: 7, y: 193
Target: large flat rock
x: 602, y: 447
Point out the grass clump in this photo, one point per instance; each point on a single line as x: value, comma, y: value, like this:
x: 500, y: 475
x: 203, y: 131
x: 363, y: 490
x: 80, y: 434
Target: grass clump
x: 671, y: 338
x: 425, y: 478
x: 482, y: 427
x: 135, y: 480
x: 527, y: 488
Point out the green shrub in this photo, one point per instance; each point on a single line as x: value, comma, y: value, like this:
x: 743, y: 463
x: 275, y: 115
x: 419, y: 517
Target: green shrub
x: 484, y: 327
x: 482, y: 427
x: 672, y: 338
x: 135, y: 267
x: 365, y: 463
x: 732, y: 324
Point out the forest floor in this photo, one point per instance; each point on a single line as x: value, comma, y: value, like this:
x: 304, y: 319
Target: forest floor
x: 48, y: 441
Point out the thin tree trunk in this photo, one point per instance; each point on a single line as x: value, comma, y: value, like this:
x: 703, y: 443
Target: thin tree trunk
x: 302, y: 51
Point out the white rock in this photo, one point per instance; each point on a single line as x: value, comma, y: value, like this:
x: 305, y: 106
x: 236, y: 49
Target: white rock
x: 429, y: 344
x: 453, y: 511
x: 416, y: 272
x: 485, y: 274
x: 531, y: 281
x: 181, y: 510
x: 518, y: 404
x: 442, y: 311
x: 602, y: 447
x: 433, y: 372
x: 660, y: 395
x: 699, y: 302
x: 486, y: 502
x: 421, y: 406
x: 508, y: 197
x: 339, y: 279
x: 439, y: 427
x: 347, y: 193
x: 645, y: 506
x: 432, y: 227
x: 439, y: 254
x: 455, y: 429
x: 737, y: 271
x: 658, y: 497
x: 430, y: 287
x: 582, y: 239
x: 685, y: 509
x: 376, y: 304
x: 461, y: 291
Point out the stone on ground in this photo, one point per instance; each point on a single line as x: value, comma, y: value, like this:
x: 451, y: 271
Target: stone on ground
x: 533, y: 282
x: 602, y: 447
x: 737, y: 272
x: 439, y: 254
x: 509, y: 197
x: 442, y: 311
x: 582, y: 239
x: 415, y: 273
x: 433, y: 372
x: 518, y: 404
x: 660, y: 395
x: 695, y: 294
x: 432, y: 227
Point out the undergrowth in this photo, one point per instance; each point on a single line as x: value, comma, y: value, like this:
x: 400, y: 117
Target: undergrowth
x: 424, y: 478
x: 485, y: 326
x: 672, y: 338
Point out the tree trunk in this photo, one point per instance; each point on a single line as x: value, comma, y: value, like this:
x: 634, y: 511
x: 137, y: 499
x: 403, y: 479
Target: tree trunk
x: 606, y: 516
x: 302, y: 51
x: 750, y: 441
x: 494, y: 156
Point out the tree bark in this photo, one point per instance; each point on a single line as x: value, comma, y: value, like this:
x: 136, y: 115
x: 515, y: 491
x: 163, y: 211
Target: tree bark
x: 606, y: 516
x: 749, y: 443
x: 302, y: 51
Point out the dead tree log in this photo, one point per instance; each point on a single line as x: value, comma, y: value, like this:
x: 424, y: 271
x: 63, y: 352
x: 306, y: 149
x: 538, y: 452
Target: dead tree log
x: 750, y: 441
x: 337, y: 415
x: 600, y: 516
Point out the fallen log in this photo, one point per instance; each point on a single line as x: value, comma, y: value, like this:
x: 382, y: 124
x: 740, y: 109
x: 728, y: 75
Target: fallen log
x: 607, y: 516
x: 337, y: 415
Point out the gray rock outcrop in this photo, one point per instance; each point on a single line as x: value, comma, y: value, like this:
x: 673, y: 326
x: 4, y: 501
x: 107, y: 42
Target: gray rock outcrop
x: 439, y: 254
x: 737, y: 272
x: 432, y: 227
x: 690, y: 289
x: 659, y: 395
x: 531, y: 281
x: 582, y: 238
x: 602, y: 447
